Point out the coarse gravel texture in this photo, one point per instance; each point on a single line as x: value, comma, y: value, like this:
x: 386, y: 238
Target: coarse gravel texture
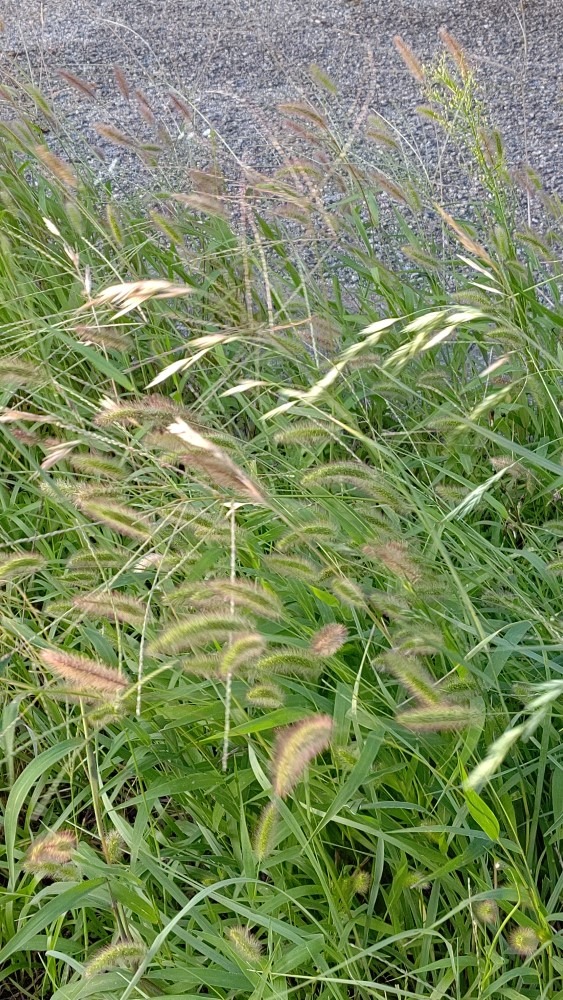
x: 237, y: 59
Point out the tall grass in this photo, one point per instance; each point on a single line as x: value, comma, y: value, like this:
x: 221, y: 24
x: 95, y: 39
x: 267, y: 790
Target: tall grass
x: 280, y: 523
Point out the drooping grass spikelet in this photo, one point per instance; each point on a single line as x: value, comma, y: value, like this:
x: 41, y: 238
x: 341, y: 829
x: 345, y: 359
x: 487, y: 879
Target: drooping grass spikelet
x: 87, y: 89
x: 329, y: 639
x: 353, y: 473
x: 197, y: 630
x: 296, y: 567
x: 17, y: 565
x: 207, y: 204
x: 17, y: 372
x: 56, y: 845
x: 54, y: 871
x: 295, y: 747
x: 209, y: 181
x: 419, y: 639
x: 411, y: 673
x: 212, y: 526
x: 388, y: 605
x: 265, y: 696
x: 514, y: 469
x: 411, y: 61
x: 265, y: 833
x: 304, y: 433
x: 242, y: 653
x: 345, y: 757
x: 319, y: 532
x: 466, y: 241
x: 301, y: 110
x: 394, y: 190
x: 396, y: 558
x: 441, y: 717
x: 245, y: 594
x: 201, y: 665
x: 215, y: 462
x: 122, y: 953
x: 51, y: 857
x: 193, y: 593
x: 105, y: 713
x: 290, y: 661
x: 145, y: 109
x: 117, y: 516
x: 246, y: 944
x: 86, y: 675
x: 359, y: 476
x: 57, y: 167
x: 321, y: 78
x: 113, y: 604
x: 378, y: 129
x: 109, y: 338
x: 130, y: 295
x: 183, y: 108
x: 152, y: 409
x: 115, y: 135
x: 97, y: 465
x: 121, y: 82
x: 456, y: 51
x: 348, y: 591
x: 89, y: 564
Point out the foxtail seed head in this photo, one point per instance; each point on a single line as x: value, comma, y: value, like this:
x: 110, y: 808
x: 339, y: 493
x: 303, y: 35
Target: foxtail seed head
x: 86, y: 675
x: 295, y: 747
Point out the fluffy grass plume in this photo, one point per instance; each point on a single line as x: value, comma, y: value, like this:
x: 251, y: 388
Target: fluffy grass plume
x: 88, y: 676
x: 523, y: 941
x: 51, y: 856
x: 17, y: 565
x: 265, y: 696
x: 290, y: 661
x: 296, y: 746
x: 246, y: 944
x: 265, y: 833
x: 215, y: 462
x: 348, y: 591
x: 117, y: 516
x: 328, y: 639
x: 442, y: 716
x: 486, y: 911
x: 198, y: 630
x: 115, y: 605
x: 242, y: 653
x: 128, y: 954
x: 297, y: 567
x: 250, y: 597
x: 412, y: 674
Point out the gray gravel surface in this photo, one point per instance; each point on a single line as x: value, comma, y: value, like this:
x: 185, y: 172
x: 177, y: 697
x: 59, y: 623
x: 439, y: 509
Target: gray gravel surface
x: 237, y: 59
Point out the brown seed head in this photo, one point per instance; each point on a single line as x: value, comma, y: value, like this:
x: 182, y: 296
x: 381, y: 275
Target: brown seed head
x: 329, y: 639
x: 89, y: 676
x: 411, y: 61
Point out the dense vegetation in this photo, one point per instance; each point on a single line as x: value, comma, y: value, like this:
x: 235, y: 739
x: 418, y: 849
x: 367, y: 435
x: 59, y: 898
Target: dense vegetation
x: 281, y: 633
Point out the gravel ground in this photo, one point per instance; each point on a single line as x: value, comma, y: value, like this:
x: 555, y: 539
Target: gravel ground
x: 237, y: 59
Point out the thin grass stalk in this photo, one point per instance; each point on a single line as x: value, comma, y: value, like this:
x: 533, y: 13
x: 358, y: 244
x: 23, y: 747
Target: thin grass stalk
x: 264, y: 265
x: 94, y: 780
x: 229, y: 677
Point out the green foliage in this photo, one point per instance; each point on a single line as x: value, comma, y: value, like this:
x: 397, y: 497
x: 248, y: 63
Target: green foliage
x: 304, y: 604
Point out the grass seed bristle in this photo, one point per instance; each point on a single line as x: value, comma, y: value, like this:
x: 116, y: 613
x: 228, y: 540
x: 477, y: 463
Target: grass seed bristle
x: 197, y: 630
x: 296, y: 746
x: 86, y: 675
